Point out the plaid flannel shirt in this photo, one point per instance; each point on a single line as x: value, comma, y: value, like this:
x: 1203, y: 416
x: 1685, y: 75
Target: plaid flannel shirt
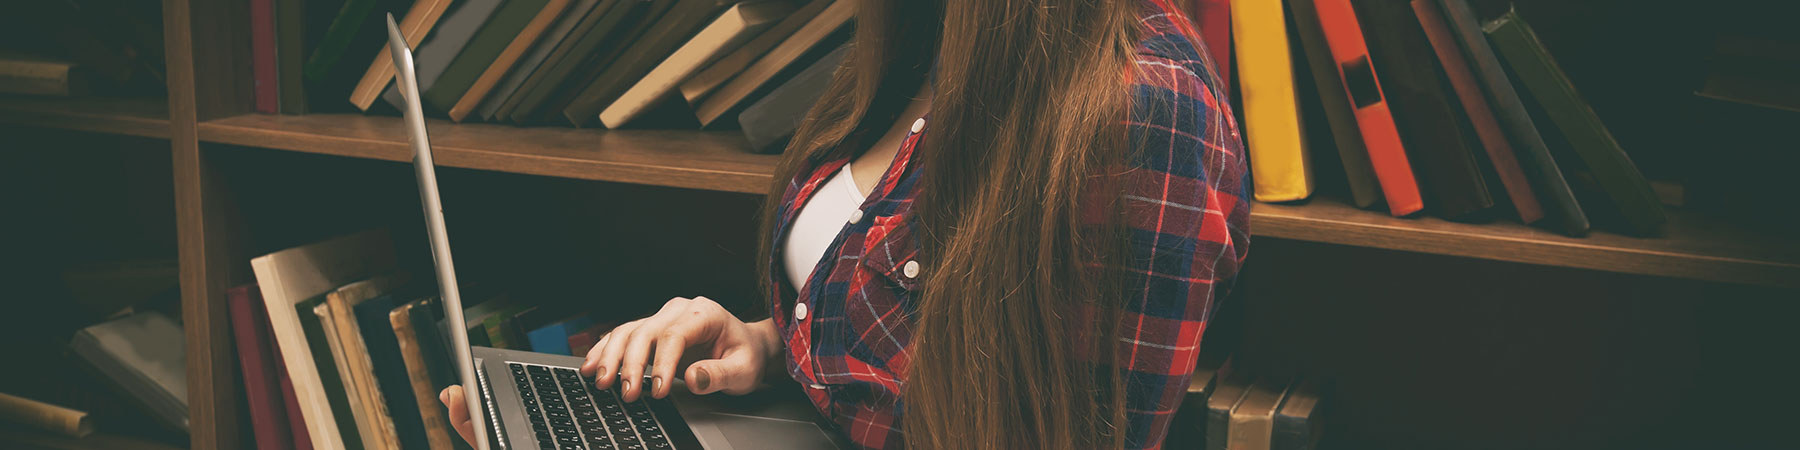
x: 1186, y: 208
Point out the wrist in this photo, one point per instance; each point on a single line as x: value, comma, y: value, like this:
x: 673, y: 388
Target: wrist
x: 764, y: 332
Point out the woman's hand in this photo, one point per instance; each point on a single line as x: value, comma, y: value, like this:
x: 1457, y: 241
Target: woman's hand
x: 731, y: 354
x: 459, y: 413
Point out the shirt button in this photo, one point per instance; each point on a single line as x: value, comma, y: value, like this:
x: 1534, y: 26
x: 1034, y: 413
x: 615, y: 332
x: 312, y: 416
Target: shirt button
x: 918, y: 125
x: 800, y: 311
x: 856, y: 216
x: 911, y: 269
x: 816, y: 386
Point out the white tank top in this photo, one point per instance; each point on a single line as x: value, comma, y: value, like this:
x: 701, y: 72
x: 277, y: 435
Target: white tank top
x: 820, y: 220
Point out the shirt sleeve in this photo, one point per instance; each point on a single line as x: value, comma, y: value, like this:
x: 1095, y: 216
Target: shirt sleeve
x: 1187, y: 211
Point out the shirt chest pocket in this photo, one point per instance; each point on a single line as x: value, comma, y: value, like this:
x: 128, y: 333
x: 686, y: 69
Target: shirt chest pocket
x: 880, y: 304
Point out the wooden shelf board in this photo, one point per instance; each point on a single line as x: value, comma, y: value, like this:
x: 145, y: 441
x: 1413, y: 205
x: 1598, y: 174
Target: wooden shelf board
x: 135, y: 116
x: 1694, y: 247
x: 706, y: 160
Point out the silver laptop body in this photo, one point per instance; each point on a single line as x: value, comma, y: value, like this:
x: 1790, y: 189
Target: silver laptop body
x: 771, y: 419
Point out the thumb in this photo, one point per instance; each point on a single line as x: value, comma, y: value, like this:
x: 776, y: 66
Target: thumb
x: 735, y: 373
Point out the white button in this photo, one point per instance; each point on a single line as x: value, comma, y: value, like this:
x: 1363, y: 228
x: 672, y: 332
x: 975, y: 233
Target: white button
x: 918, y: 125
x: 800, y: 311
x: 816, y: 386
x: 856, y: 216
x: 911, y: 270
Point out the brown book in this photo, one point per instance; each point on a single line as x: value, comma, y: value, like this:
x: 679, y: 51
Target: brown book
x: 1189, y: 427
x: 509, y: 56
x: 720, y: 71
x: 25, y: 74
x: 418, y: 22
x: 736, y: 93
x: 338, y: 316
x: 1232, y: 386
x: 418, y: 375
x: 1253, y: 421
x: 724, y: 33
x: 45, y: 416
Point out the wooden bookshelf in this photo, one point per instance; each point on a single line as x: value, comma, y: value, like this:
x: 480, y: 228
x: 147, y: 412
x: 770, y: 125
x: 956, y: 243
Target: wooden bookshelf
x: 705, y: 160
x: 1694, y: 247
x: 134, y: 116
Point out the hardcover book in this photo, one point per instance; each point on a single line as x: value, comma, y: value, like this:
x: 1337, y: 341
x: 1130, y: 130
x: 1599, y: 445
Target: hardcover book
x: 1335, y: 101
x: 1475, y: 104
x: 1273, y: 136
x: 508, y: 57
x: 529, y: 63
x: 725, y: 33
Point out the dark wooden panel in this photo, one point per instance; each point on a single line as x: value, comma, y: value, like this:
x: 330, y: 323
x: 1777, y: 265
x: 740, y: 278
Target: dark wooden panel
x: 135, y: 116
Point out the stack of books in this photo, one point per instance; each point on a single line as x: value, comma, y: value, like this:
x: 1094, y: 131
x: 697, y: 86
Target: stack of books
x: 611, y: 63
x: 1430, y: 108
x: 339, y: 349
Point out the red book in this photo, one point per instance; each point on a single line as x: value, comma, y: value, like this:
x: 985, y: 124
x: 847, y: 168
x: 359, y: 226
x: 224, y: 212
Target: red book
x: 255, y: 346
x: 262, y: 55
x: 1343, y: 34
x: 1214, y: 20
x: 1475, y: 104
x: 296, y: 421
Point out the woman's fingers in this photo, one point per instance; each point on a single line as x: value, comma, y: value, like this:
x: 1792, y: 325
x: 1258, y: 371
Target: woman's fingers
x: 606, y: 363
x: 631, y: 365
x: 670, y: 345
x: 455, y: 402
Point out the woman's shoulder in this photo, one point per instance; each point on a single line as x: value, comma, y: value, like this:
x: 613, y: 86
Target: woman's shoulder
x: 1172, y: 64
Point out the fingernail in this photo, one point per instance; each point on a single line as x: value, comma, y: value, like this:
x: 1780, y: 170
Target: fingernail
x: 656, y: 384
x: 444, y: 396
x: 702, y: 379
x: 624, y: 385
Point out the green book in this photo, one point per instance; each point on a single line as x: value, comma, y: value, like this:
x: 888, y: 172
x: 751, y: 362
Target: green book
x: 328, y: 372
x: 481, y: 51
x: 603, y: 17
x: 342, y: 54
x: 1585, y: 134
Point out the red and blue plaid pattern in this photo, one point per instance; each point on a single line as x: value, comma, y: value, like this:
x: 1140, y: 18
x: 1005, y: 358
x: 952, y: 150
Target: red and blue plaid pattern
x: 1186, y: 208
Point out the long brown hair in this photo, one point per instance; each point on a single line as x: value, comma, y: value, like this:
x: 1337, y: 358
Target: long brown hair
x: 1028, y: 110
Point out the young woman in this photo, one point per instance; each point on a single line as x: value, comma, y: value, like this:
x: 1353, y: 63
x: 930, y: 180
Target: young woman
x: 1031, y: 266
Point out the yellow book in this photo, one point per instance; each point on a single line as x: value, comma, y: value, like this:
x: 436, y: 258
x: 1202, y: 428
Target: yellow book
x: 1272, y: 130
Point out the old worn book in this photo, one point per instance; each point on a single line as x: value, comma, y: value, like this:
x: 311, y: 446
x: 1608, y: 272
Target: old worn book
x: 508, y: 57
x: 256, y: 357
x: 26, y: 74
x: 293, y: 277
x: 1273, y: 136
x: 1363, y: 88
x: 418, y: 375
x: 593, y: 41
x: 339, y: 397
x: 811, y: 41
x: 418, y: 22
x: 44, y: 416
x: 390, y: 369
x: 534, y: 58
x: 1475, y: 104
x: 369, y: 427
x: 357, y: 364
x: 725, y: 33
x: 144, y: 355
x: 1253, y: 421
x: 1522, y: 132
x: 716, y: 74
x: 1589, y: 138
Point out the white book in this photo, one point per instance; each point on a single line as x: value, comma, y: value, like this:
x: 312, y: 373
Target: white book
x: 291, y: 276
x: 145, y: 353
x: 731, y: 29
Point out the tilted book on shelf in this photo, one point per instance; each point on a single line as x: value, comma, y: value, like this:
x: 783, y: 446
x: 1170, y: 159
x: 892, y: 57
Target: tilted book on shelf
x: 1273, y: 137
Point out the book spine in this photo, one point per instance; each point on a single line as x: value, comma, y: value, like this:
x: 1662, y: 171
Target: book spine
x: 437, y: 431
x: 1278, y: 162
x: 1534, y: 154
x: 1475, y: 104
x: 1574, y: 117
x: 1362, y: 86
x: 1339, y: 114
x: 290, y: 43
x: 418, y: 22
x: 482, y: 49
x: 338, y: 37
x: 329, y: 381
x: 262, y: 58
x: 45, y: 416
x: 267, y: 413
x: 393, y: 394
x: 356, y: 388
x: 507, y: 58
x: 296, y: 419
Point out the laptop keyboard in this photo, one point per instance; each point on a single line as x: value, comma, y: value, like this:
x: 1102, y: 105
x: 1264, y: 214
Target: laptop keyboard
x: 568, y: 413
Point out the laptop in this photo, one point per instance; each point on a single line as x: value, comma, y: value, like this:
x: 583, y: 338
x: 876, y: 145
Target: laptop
x: 539, y: 401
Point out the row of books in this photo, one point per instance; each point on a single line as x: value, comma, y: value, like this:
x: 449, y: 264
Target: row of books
x: 340, y: 350
x: 612, y: 63
x: 1429, y: 108
x: 1228, y: 408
